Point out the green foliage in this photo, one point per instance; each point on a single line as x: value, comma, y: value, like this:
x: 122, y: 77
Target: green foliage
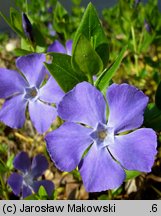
x: 14, y: 21
x: 62, y: 71
x: 103, y: 80
x: 130, y: 174
x: 91, y: 28
x: 85, y: 58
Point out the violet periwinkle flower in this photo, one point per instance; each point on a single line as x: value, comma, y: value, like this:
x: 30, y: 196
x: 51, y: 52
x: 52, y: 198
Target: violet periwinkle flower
x: 27, y: 27
x: 22, y: 90
x: 56, y: 46
x: 26, y: 182
x: 110, y: 152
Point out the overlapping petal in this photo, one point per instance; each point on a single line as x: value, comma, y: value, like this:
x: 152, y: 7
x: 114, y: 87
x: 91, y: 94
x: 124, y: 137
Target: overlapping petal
x: 67, y: 144
x: 26, y: 191
x: 126, y: 105
x: 39, y: 165
x: 12, y: 112
x: 136, y: 150
x: 84, y: 104
x: 42, y: 115
x: 99, y: 171
x: 51, y: 92
x: 33, y: 68
x: 56, y: 46
x: 48, y: 185
x: 15, y: 182
x: 11, y: 83
x: 69, y: 44
x: 22, y: 162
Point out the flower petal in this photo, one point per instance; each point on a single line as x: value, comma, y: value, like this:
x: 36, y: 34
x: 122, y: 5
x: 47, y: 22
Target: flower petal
x: 11, y: 82
x: 22, y: 162
x: 39, y: 165
x: 99, y: 171
x: 26, y: 191
x: 69, y: 44
x: 15, y: 182
x: 51, y: 92
x: 48, y: 185
x: 12, y: 112
x: 126, y: 105
x: 56, y: 47
x: 42, y: 115
x: 84, y: 104
x: 136, y: 150
x: 33, y: 68
x: 67, y: 144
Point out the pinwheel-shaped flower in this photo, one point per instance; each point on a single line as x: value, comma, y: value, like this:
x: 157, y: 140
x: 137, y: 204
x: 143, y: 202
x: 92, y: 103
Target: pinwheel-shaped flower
x: 24, y: 89
x: 26, y: 182
x: 58, y: 47
x: 105, y: 149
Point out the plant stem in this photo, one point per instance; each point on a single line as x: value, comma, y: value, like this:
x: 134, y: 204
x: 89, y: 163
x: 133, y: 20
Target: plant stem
x: 90, y: 79
x: 3, y: 188
x: 110, y: 196
x: 135, y: 50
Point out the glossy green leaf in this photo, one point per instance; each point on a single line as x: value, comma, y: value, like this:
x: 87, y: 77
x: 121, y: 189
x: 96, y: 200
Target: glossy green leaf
x: 130, y: 174
x: 91, y: 28
x: 85, y: 58
x: 62, y: 71
x: 103, y: 80
x: 158, y: 96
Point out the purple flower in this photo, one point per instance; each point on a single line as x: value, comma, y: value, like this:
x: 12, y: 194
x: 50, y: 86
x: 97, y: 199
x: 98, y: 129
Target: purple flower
x: 51, y: 30
x: 22, y: 90
x: 58, y: 47
x: 110, y: 152
x: 147, y: 26
x: 27, y: 27
x: 26, y: 182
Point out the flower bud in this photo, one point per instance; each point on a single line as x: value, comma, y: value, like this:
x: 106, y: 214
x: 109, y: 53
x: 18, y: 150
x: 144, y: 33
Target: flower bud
x: 27, y: 27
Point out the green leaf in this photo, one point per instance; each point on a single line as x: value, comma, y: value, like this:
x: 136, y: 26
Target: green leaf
x: 9, y: 163
x: 152, y: 117
x: 61, y: 18
x: 21, y: 52
x: 26, y: 45
x: 3, y: 168
x: 130, y: 174
x: 85, y: 58
x: 103, y: 80
x: 42, y: 192
x: 91, y: 28
x: 38, y: 37
x: 16, y: 19
x: 158, y: 96
x: 21, y: 34
x: 32, y: 197
x: 63, y: 72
